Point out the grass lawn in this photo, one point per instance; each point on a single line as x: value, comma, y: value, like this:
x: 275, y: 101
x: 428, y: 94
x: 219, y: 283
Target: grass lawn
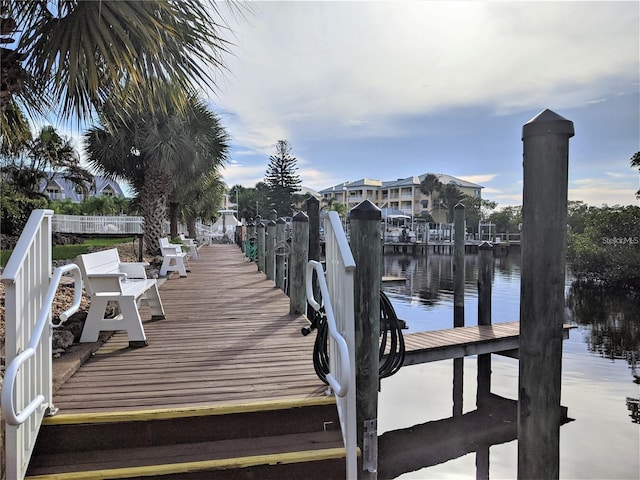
x: 64, y: 252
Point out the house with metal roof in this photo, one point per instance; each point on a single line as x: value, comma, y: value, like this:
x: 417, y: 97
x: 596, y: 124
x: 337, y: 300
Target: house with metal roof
x: 59, y: 188
x: 403, y: 194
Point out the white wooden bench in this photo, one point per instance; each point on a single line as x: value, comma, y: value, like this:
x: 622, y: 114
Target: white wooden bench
x: 107, y: 279
x: 173, y: 259
x: 191, y: 246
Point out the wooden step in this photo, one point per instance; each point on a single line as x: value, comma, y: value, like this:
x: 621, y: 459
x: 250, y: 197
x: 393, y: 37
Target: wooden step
x: 269, y: 439
x: 243, y: 456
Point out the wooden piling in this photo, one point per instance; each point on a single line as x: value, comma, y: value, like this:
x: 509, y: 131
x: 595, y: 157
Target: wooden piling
x: 280, y: 247
x: 260, y: 237
x: 367, y: 253
x: 313, y: 213
x: 269, y: 261
x: 485, y: 267
x: 298, y: 264
x: 458, y: 304
x: 544, y: 215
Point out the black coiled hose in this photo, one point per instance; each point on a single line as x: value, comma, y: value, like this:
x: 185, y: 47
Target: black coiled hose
x: 391, y: 358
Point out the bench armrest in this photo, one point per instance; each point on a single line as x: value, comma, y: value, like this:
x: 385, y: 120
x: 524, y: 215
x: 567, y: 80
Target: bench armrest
x: 172, y: 250
x: 134, y: 269
x: 105, y: 282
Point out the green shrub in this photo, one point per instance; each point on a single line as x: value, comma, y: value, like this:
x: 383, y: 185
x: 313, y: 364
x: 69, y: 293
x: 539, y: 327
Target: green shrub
x: 609, y: 249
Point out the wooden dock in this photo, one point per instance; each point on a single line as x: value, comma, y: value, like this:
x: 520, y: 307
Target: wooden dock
x: 227, y: 339
x: 227, y: 382
x: 225, y: 388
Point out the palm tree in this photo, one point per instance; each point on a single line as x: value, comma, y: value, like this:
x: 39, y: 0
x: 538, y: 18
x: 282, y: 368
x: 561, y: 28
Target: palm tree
x: 449, y: 197
x: 635, y: 162
x: 31, y: 161
x: 157, y: 150
x: 75, y: 54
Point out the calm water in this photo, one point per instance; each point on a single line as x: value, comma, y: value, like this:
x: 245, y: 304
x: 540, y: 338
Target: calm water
x: 599, y: 373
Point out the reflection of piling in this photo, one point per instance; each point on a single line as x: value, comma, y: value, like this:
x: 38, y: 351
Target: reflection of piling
x: 544, y: 213
x: 298, y: 263
x: 366, y: 248
x: 458, y: 304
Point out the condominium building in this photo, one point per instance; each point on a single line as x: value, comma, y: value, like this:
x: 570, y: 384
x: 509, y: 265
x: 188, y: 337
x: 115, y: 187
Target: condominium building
x: 403, y: 195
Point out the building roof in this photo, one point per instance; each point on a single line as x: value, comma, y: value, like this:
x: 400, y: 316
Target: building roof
x: 68, y: 188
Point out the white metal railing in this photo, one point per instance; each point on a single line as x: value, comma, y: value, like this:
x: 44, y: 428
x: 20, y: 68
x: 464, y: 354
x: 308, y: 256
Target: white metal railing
x: 336, y: 286
x: 102, y: 224
x: 27, y: 390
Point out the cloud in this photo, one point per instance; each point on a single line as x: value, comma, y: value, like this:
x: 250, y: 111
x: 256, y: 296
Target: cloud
x: 479, y: 179
x: 370, y: 64
x: 597, y: 191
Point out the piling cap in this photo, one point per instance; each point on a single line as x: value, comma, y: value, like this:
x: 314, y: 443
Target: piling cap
x: 260, y: 225
x: 271, y: 223
x: 485, y: 246
x: 366, y: 211
x: 281, y: 220
x: 547, y: 123
x: 300, y: 217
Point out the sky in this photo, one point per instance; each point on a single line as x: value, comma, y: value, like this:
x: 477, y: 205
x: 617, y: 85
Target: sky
x: 390, y: 89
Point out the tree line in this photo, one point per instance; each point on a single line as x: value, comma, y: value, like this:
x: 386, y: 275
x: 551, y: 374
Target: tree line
x: 131, y: 71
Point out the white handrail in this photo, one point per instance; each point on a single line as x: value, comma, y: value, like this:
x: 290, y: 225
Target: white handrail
x: 341, y: 386
x: 8, y: 391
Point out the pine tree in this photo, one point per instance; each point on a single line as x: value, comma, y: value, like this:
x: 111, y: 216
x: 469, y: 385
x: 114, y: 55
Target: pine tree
x: 281, y: 179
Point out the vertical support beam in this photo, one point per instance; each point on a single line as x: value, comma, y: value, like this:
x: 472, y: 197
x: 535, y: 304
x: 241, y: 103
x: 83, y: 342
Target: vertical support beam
x: 544, y: 216
x: 280, y: 259
x: 298, y: 264
x: 458, y: 303
x: 261, y: 239
x: 458, y: 267
x: 313, y: 212
x: 367, y: 252
x: 269, y: 263
x: 485, y: 267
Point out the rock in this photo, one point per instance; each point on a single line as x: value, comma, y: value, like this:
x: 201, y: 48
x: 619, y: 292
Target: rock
x: 62, y: 339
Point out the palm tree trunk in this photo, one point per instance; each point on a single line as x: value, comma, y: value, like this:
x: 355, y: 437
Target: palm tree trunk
x: 153, y: 195
x: 174, y: 208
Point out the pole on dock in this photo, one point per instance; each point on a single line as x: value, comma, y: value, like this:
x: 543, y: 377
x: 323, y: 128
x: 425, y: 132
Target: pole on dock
x: 313, y: 212
x: 485, y: 251
x: 269, y: 261
x: 544, y: 216
x: 260, y: 236
x: 458, y: 303
x: 281, y: 226
x: 367, y: 253
x: 299, y: 258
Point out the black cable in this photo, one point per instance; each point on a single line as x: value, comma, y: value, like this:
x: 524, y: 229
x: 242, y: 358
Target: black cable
x: 390, y: 330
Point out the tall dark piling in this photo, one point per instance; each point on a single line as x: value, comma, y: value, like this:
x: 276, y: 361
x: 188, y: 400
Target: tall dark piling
x: 280, y: 252
x: 458, y: 303
x: 313, y: 212
x: 544, y: 217
x: 485, y: 268
x: 367, y: 253
x: 299, y: 258
x: 261, y: 239
x: 269, y: 261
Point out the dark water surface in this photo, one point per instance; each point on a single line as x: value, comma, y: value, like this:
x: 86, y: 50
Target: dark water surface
x: 600, y: 379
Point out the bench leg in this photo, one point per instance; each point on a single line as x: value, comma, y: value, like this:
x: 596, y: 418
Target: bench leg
x: 155, y: 303
x: 95, y: 318
x: 128, y: 319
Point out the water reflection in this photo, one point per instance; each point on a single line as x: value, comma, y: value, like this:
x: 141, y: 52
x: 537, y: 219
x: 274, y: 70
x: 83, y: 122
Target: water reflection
x: 600, y: 377
x: 613, y: 318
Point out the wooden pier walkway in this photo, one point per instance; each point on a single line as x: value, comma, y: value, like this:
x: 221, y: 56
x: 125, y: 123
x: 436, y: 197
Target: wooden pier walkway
x: 227, y: 339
